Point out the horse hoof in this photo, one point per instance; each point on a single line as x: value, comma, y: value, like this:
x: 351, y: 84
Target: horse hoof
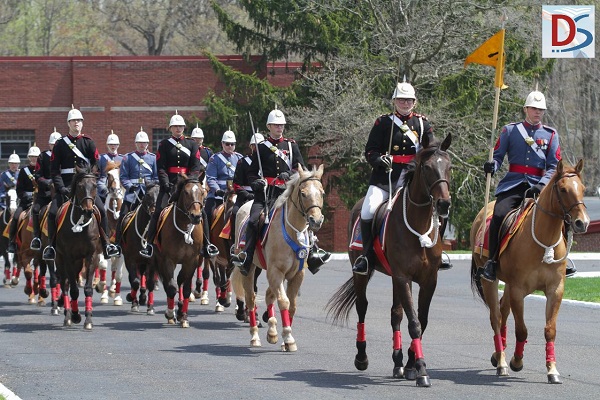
x: 54, y: 311
x: 265, y: 317
x: 240, y: 316
x: 118, y: 301
x: 28, y: 290
x: 31, y: 300
x: 67, y: 322
x: 398, y: 372
x: 554, y: 378
x: 171, y: 321
x: 101, y: 287
x: 14, y: 281
x: 502, y: 371
x: 44, y: 293
x: 129, y: 298
x: 192, y: 298
x: 150, y: 311
x: 135, y: 308
x: 41, y: 302
x: 143, y: 298
x: 76, y: 318
x: 423, y: 381
x: 197, y: 293
x: 104, y: 300
x: 87, y: 326
x: 255, y: 343
x: 494, y: 361
x: 273, y: 339
x: 516, y: 366
x: 361, y: 365
x: 410, y: 374
x: 289, y: 347
x: 204, y: 298
x: 219, y: 308
x: 185, y: 323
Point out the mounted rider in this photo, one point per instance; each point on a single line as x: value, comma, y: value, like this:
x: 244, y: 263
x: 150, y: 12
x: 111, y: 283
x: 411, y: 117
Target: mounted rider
x: 279, y: 158
x: 8, y: 179
x: 175, y: 155
x: 138, y: 168
x: 44, y: 193
x: 112, y: 144
x: 74, y: 149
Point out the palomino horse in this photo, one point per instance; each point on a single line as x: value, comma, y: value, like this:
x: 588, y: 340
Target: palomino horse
x: 221, y: 265
x: 409, y: 255
x: 5, y: 215
x: 134, y: 225
x: 78, y: 241
x: 284, y: 252
x: 527, y: 263
x: 179, y: 241
x: 112, y: 205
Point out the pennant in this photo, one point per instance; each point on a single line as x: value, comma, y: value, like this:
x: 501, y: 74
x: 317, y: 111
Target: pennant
x: 491, y: 53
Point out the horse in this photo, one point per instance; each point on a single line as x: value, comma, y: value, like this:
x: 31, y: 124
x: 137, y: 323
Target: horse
x: 48, y: 266
x: 527, y: 263
x: 284, y: 251
x: 5, y: 215
x: 221, y: 266
x: 25, y: 258
x: 112, y: 205
x: 134, y: 226
x: 78, y: 241
x: 409, y: 256
x: 179, y: 241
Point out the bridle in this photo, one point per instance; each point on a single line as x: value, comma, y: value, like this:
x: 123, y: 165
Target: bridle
x: 566, y: 217
x: 186, y: 210
x: 299, y: 205
x: 429, y: 187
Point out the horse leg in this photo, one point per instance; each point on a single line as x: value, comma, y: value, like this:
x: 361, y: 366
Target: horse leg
x: 65, y: 287
x: 198, y: 288
x: 151, y: 286
x: 293, y: 287
x: 397, y: 355
x: 361, y: 361
x: 205, y: 277
x: 42, y: 279
x: 7, y: 267
x: 88, y: 291
x: 28, y: 280
x: 250, y: 297
x: 171, y: 290
x: 100, y: 286
x: 114, y: 291
x: 490, y: 293
x: 553, y: 300
x: 224, y: 299
x: 271, y: 296
x: 54, y: 287
x: 134, y: 282
x: 184, y: 280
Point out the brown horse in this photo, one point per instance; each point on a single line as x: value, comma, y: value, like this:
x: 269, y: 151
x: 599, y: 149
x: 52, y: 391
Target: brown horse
x: 528, y: 263
x: 135, y: 225
x: 10, y: 207
x: 179, y: 241
x: 25, y: 258
x: 78, y: 241
x: 410, y: 255
x: 284, y: 249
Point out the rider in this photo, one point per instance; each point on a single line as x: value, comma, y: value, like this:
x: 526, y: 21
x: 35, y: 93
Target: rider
x: 8, y: 179
x: 279, y: 158
x: 74, y: 149
x: 44, y: 193
x: 25, y: 190
x: 409, y: 128
x: 138, y: 168
x: 241, y: 183
x: 533, y: 152
x: 175, y: 155
x: 205, y: 152
x: 112, y: 144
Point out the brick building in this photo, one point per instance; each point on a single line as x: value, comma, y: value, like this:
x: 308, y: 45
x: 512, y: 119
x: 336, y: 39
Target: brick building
x: 123, y: 94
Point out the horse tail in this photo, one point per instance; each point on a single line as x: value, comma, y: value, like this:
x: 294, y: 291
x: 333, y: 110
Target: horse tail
x: 342, y: 302
x: 476, y: 287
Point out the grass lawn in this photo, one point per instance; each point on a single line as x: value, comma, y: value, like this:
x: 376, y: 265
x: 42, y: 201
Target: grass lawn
x: 582, y: 289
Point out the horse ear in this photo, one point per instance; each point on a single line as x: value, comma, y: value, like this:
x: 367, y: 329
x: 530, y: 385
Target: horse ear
x: 559, y: 168
x: 446, y: 143
x: 319, y: 171
x: 300, y: 169
x: 579, y: 166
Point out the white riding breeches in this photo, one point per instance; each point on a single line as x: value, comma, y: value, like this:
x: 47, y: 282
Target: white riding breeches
x: 375, y: 196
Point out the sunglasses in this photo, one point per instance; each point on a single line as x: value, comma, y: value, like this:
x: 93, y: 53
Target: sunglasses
x: 228, y: 144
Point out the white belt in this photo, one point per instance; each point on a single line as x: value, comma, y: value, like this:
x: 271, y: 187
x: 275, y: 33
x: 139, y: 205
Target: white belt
x: 222, y: 182
x: 247, y: 188
x: 67, y: 171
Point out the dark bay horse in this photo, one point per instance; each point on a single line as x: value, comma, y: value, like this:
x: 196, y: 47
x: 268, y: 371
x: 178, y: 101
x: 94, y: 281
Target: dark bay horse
x: 5, y: 216
x: 78, y: 242
x: 284, y: 250
x: 533, y: 259
x: 25, y: 258
x: 135, y: 225
x: 179, y: 241
x: 412, y: 256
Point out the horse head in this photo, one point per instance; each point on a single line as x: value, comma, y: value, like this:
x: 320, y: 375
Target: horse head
x: 149, y: 198
x: 113, y: 179
x: 430, y: 174
x: 305, y: 190
x: 84, y: 189
x: 566, y: 192
x: 191, y: 198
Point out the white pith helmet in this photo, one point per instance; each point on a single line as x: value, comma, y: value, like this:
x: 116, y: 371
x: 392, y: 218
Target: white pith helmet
x: 536, y: 99
x: 14, y: 158
x: 404, y: 90
x: 34, y: 151
x: 176, y: 120
x: 74, y: 114
x: 112, y: 138
x: 141, y: 136
x: 276, y: 117
x: 257, y: 137
x: 197, y: 132
x: 228, y: 137
x: 54, y: 136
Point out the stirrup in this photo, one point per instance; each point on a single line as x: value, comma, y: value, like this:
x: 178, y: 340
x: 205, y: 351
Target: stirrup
x: 147, y: 251
x: 238, y: 259
x: 212, y: 250
x: 112, y: 250
x: 446, y: 264
x: 360, y: 270
x: 36, y: 244
x: 49, y: 254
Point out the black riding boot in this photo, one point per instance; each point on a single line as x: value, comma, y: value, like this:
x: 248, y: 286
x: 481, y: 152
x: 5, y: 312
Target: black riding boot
x: 248, y: 253
x: 445, y: 262
x: 109, y: 249
x: 148, y: 250
x: 36, y: 243
x: 119, y: 230
x: 489, y: 268
x: 361, y: 264
x: 12, y: 232
x: 316, y: 258
x: 208, y: 249
x: 49, y: 251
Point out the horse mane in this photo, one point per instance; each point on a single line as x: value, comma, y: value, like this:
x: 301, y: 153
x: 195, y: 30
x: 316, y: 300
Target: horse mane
x: 291, y: 185
x: 110, y: 165
x: 425, y: 152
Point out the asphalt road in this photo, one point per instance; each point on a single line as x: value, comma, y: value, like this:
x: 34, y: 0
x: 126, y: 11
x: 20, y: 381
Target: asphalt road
x: 131, y: 356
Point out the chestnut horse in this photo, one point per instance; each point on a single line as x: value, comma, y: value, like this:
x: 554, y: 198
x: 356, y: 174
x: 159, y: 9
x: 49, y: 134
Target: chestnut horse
x: 134, y: 225
x: 179, y: 241
x: 78, y: 241
x: 284, y: 249
x: 411, y: 256
x: 28, y: 260
x: 535, y: 258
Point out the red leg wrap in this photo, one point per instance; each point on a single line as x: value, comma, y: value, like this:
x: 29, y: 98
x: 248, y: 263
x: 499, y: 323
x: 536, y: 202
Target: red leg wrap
x: 113, y: 275
x: 7, y: 273
x: 103, y: 275
x: 361, y: 335
x: 143, y: 281
x: 397, y: 340
x: 503, y: 331
x: 181, y: 294
x: 54, y: 294
x: 36, y: 274
x: 271, y: 310
x: 285, y: 318
x: 217, y: 292
x: 205, y: 284
x: 498, y: 343
x: 67, y: 302
x: 252, y: 317
x: 133, y: 293
x: 16, y: 271
x: 118, y: 287
x: 171, y: 304
x: 550, y: 352
x: 151, y: 298
x: 74, y: 306
x: 96, y: 273
x: 42, y: 282
x: 88, y: 304
x: 184, y: 308
x: 417, y: 348
x: 520, y: 348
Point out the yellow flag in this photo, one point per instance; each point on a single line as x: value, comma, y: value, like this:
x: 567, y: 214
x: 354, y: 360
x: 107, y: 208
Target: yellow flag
x: 491, y: 53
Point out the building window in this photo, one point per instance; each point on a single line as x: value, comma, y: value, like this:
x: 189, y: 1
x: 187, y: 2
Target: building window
x: 18, y: 141
x: 158, y: 134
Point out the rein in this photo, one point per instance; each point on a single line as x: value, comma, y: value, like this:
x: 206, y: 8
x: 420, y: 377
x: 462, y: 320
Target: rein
x: 187, y: 234
x: 79, y: 225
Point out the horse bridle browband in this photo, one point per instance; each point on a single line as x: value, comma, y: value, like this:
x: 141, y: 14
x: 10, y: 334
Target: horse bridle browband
x: 566, y: 217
